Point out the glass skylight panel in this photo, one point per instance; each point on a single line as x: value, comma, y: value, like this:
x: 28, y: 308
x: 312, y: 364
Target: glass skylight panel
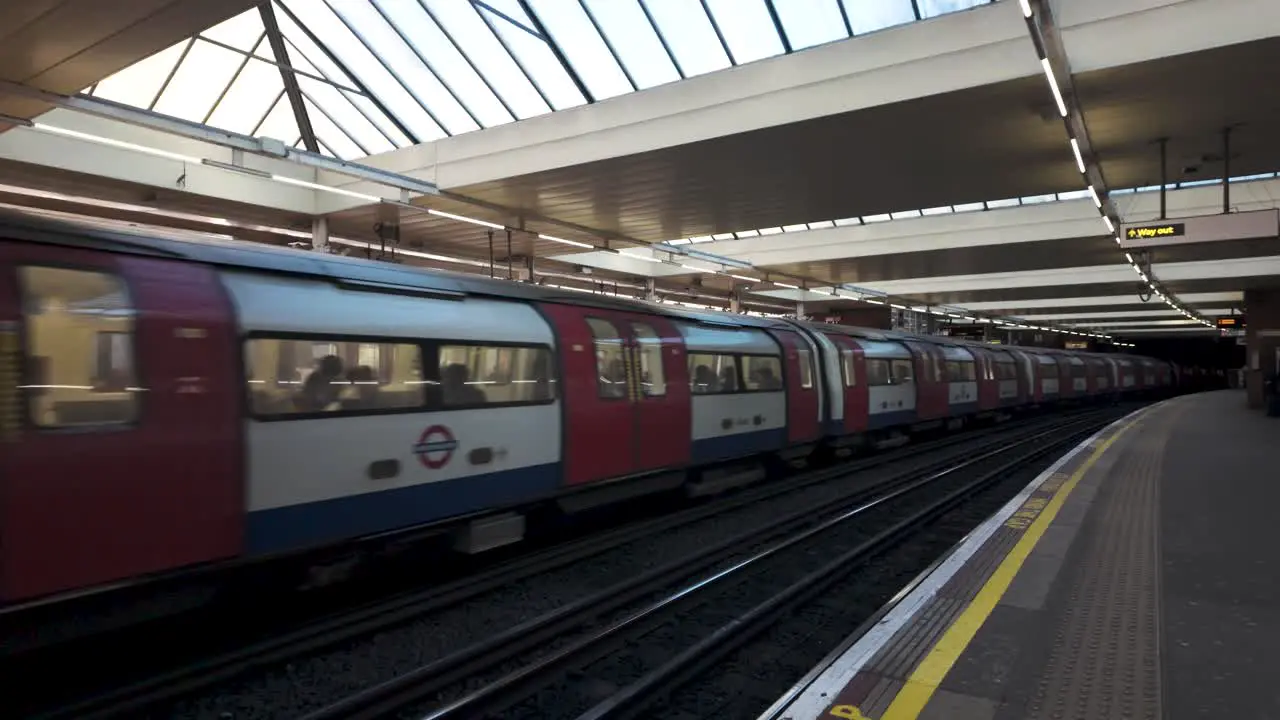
x: 200, y: 79
x: 418, y: 79
x: 865, y: 17
x: 688, y: 32
x: 341, y: 112
x: 280, y: 123
x: 248, y: 98
x: 534, y: 54
x: 325, y: 129
x: 477, y: 41
x: 811, y: 22
x: 747, y: 28
x: 571, y: 29
x: 635, y: 41
x: 240, y: 31
x: 356, y: 56
x: 933, y: 8
x: 304, y: 55
x: 138, y: 84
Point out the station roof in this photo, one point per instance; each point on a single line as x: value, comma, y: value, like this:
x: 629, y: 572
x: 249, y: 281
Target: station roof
x: 907, y: 147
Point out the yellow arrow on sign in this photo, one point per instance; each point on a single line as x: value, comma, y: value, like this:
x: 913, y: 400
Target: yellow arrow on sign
x: 1133, y: 233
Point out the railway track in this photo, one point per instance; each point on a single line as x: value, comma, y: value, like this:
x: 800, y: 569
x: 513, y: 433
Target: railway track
x: 618, y: 653
x: 810, y: 495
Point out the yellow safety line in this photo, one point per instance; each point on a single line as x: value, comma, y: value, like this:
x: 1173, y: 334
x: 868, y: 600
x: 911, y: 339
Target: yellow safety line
x: 928, y: 675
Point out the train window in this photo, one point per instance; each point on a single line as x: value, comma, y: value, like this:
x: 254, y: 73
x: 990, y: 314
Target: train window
x: 902, y: 372
x: 878, y: 372
x: 762, y: 372
x: 473, y: 375
x: 80, y: 348
x: 806, y: 368
x: 302, y: 376
x: 710, y: 374
x: 611, y: 365
x: 653, y: 381
x: 850, y: 367
x: 958, y: 371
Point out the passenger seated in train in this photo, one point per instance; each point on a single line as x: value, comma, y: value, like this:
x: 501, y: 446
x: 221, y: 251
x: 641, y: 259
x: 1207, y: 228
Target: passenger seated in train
x: 614, y: 380
x: 765, y: 379
x: 322, y: 387
x: 728, y: 379
x: 362, y: 393
x: 704, y: 380
x: 455, y: 382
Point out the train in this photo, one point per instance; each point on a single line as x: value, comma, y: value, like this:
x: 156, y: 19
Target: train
x: 170, y: 403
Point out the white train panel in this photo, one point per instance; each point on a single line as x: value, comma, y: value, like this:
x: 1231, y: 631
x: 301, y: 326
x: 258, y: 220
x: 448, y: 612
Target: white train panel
x: 889, y: 399
x: 705, y: 338
x: 962, y: 393
x: 283, y: 304
x: 1008, y: 389
x: 1080, y: 384
x: 722, y: 415
x: 293, y: 462
x: 1049, y: 386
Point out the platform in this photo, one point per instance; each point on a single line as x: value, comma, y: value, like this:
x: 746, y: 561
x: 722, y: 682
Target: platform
x: 1136, y: 578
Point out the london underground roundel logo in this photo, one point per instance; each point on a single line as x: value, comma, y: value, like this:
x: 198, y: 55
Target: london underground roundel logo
x: 435, y: 447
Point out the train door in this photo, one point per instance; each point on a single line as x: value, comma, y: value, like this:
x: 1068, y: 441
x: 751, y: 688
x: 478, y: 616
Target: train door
x: 802, y: 387
x: 626, y: 393
x: 126, y: 455
x: 988, y: 384
x: 853, y: 382
x: 931, y: 386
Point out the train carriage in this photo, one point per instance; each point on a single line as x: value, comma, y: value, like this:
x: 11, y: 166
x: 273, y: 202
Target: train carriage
x: 307, y: 401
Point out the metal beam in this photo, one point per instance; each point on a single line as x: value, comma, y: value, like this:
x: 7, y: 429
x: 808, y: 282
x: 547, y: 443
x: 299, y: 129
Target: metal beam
x: 290, y: 80
x: 195, y: 131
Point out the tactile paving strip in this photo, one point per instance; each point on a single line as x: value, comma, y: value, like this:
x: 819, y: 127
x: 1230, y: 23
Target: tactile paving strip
x: 1104, y: 660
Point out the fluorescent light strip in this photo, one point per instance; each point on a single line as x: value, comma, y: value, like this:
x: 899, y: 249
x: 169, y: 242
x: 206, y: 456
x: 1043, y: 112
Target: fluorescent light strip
x: 1097, y: 201
x: 1075, y: 148
x: 562, y: 241
x: 464, y: 218
x: 1026, y: 8
x: 744, y: 278
x: 110, y: 142
x: 1107, y: 221
x: 785, y: 285
x: 1053, y: 84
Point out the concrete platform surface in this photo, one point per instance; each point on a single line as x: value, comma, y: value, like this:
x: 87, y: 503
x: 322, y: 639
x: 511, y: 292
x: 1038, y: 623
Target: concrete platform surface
x: 1136, y: 578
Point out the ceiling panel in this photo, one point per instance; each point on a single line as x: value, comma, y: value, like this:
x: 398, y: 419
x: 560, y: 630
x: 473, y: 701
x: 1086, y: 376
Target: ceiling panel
x: 64, y: 46
x: 985, y: 143
x: 1188, y: 99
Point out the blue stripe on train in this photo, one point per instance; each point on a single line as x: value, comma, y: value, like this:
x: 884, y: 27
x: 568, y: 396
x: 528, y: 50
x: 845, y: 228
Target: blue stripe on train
x: 295, y: 527
x: 879, y: 420
x: 727, y: 447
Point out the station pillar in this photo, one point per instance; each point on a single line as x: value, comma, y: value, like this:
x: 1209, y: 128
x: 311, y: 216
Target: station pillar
x: 1262, y: 342
x: 320, y: 234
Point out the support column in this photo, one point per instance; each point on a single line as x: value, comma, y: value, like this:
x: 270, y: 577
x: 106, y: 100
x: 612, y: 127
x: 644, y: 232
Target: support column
x: 735, y: 301
x: 651, y: 290
x: 528, y: 266
x: 1262, y: 342
x: 799, y: 309
x: 320, y: 234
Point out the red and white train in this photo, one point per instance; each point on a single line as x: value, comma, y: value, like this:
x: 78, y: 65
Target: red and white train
x: 168, y: 404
